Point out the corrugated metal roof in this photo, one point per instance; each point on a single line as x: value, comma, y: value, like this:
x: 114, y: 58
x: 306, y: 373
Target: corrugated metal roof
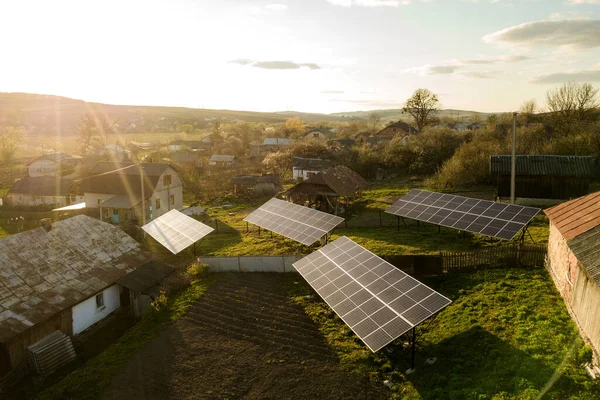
x: 586, y: 248
x: 42, y: 186
x: 221, y: 158
x: 576, y: 216
x: 544, y: 165
x: 44, y: 272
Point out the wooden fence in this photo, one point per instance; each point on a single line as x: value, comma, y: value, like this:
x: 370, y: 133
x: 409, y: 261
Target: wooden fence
x: 495, y: 257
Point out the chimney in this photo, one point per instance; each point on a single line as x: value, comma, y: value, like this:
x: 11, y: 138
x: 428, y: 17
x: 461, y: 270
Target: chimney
x: 46, y: 224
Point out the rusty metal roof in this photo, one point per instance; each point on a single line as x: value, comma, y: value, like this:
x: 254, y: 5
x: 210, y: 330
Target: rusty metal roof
x: 44, y: 272
x: 586, y: 248
x: 339, y: 179
x: 544, y: 165
x: 576, y: 216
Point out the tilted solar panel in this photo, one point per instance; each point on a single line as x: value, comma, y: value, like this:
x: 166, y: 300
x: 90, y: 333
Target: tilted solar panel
x: 486, y: 217
x: 293, y: 221
x: 176, y: 231
x: 376, y: 300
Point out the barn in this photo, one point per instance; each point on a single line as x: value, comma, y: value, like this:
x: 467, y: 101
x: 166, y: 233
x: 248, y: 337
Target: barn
x: 66, y: 277
x: 256, y: 184
x: 327, y: 189
x: 548, y: 177
x: 574, y: 262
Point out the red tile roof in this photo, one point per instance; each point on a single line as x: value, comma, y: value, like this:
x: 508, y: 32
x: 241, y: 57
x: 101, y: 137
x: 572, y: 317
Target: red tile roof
x: 576, y: 216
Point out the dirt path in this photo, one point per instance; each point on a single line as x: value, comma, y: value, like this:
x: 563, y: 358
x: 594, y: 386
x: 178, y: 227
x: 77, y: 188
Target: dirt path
x: 244, y: 339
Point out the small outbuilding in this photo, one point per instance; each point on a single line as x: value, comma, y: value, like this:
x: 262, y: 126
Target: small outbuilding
x: 304, y: 168
x: 549, y: 177
x: 256, y: 184
x: 327, y: 189
x: 574, y: 262
x: 221, y: 160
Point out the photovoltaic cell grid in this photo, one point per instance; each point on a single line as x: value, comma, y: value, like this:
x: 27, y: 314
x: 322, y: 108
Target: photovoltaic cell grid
x: 375, y: 299
x: 176, y: 231
x: 293, y: 221
x: 489, y: 218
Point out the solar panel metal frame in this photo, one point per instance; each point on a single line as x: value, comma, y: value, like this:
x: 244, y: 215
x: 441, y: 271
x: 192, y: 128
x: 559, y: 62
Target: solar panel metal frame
x: 293, y: 221
x: 490, y: 218
x: 176, y: 231
x: 376, y: 300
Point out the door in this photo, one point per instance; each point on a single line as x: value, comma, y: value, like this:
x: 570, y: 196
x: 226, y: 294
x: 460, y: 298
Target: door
x: 115, y: 216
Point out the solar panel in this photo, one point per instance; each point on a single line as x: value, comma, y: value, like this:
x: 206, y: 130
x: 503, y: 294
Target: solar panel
x: 499, y: 220
x: 293, y: 221
x: 176, y: 231
x: 376, y: 300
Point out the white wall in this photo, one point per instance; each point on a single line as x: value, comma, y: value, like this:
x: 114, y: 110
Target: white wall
x: 304, y: 173
x: 85, y: 313
x: 163, y: 192
x: 29, y: 200
x: 42, y: 167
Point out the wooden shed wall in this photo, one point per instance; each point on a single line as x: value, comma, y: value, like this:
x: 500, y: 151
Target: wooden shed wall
x: 544, y: 187
x: 16, y: 348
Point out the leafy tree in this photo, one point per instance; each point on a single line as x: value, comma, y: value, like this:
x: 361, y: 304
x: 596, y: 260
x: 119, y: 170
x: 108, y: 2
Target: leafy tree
x: 185, y: 128
x: 216, y: 136
x: 10, y: 139
x: 422, y: 106
x: 294, y: 127
x: 571, y: 104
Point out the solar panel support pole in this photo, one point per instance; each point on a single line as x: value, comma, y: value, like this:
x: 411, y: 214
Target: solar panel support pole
x: 513, y: 160
x: 414, y: 339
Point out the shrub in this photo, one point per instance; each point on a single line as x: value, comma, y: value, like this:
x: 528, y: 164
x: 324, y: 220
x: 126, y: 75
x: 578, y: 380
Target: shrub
x: 160, y: 300
x: 196, y: 270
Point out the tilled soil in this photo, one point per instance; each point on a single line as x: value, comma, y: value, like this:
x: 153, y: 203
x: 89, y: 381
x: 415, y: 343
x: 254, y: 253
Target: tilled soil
x: 244, y: 339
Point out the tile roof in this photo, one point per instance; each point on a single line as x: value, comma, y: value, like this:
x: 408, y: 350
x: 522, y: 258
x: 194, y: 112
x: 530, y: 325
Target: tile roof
x: 44, y: 272
x: 42, y: 186
x: 586, y: 248
x: 576, y: 216
x: 544, y: 165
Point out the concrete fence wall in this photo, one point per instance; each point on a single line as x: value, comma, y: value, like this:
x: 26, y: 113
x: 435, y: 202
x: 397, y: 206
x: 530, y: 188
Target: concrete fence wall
x: 251, y: 264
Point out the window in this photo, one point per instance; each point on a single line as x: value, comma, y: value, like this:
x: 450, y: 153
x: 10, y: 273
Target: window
x: 100, y: 301
x: 172, y: 199
x: 115, y: 211
x: 167, y: 180
x: 157, y: 204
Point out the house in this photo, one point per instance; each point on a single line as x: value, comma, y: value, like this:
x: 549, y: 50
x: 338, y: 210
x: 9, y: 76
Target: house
x: 304, y: 168
x: 325, y: 189
x: 574, y: 262
x: 221, y: 160
x: 270, y: 145
x: 62, y: 276
x: 256, y: 184
x: 397, y: 128
x: 43, y: 190
x: 53, y: 164
x: 116, y: 190
x: 548, y: 177
x: 315, y: 135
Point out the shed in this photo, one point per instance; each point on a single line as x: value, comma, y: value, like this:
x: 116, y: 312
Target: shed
x: 43, y: 190
x: 256, y: 184
x: 544, y: 176
x: 221, y: 160
x: 574, y: 262
x: 61, y: 276
x: 325, y: 189
x: 304, y: 168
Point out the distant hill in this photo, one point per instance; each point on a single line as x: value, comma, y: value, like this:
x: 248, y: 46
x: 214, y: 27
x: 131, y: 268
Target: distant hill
x: 45, y: 115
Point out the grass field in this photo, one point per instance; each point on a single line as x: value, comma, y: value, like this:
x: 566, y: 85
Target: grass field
x: 507, y: 335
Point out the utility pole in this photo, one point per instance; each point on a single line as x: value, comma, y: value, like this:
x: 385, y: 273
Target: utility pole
x: 513, y: 160
x: 143, y: 195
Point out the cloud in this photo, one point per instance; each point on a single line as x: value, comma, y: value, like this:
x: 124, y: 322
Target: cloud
x: 481, y: 74
x: 274, y: 64
x: 574, y: 33
x: 591, y: 75
x: 370, y: 103
x: 370, y: 3
x: 498, y: 59
x: 276, y: 7
x: 441, y: 69
x: 332, y: 91
x: 576, y: 2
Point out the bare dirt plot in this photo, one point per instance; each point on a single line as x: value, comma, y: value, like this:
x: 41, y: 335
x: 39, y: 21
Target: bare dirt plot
x: 244, y: 339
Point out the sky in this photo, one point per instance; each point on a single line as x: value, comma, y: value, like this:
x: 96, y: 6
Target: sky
x: 306, y: 55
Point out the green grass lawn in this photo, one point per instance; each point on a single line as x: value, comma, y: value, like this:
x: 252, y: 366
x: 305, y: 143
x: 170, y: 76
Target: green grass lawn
x: 507, y: 335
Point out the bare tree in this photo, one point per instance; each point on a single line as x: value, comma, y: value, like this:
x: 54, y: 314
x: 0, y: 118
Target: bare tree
x: 374, y: 121
x: 570, y: 104
x: 87, y: 130
x: 527, y: 110
x: 10, y: 139
x: 422, y: 106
